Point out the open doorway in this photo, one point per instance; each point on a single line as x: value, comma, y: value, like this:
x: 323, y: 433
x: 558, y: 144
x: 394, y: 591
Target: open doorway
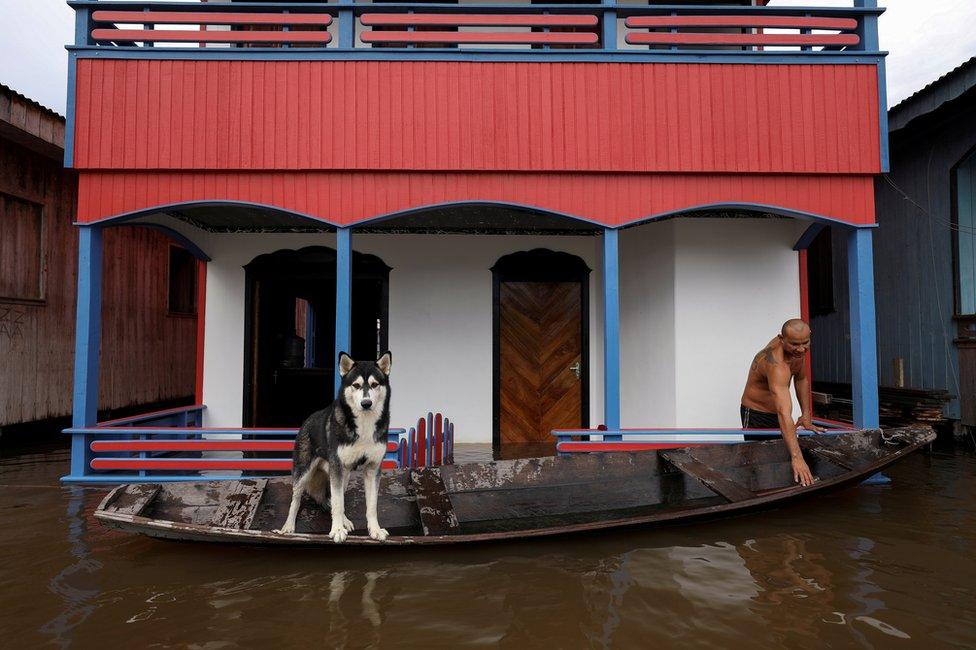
x: 289, y: 337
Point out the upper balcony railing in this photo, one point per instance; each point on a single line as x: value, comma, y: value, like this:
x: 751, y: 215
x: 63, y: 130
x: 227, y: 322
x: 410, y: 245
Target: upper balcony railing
x: 408, y: 30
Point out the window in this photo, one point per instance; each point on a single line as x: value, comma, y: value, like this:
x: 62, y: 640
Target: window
x: 820, y: 274
x: 964, y: 236
x: 22, y: 263
x: 182, y: 282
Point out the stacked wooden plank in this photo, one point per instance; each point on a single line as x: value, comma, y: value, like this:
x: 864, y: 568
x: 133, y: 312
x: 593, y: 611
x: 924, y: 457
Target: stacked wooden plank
x: 897, y: 407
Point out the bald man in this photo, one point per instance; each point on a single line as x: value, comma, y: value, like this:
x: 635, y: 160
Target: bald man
x: 766, y: 402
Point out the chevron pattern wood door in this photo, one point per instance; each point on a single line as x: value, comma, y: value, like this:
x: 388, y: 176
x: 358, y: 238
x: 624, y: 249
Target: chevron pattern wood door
x: 540, y: 339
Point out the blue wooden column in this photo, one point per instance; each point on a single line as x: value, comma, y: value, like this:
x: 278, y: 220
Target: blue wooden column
x: 343, y: 316
x: 88, y: 335
x: 864, y: 351
x: 611, y: 333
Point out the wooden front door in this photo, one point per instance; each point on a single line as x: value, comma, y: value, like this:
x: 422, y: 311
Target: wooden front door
x: 540, y: 364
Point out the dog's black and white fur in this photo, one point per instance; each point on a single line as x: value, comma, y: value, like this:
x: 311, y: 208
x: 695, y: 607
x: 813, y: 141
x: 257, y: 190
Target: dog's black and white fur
x: 349, y: 434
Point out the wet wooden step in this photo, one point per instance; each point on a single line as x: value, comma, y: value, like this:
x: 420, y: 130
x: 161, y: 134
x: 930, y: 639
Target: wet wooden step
x: 708, y: 476
x: 436, y: 512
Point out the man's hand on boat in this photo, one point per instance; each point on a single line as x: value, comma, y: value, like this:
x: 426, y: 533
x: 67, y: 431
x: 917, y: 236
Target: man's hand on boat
x: 801, y: 472
x: 807, y: 423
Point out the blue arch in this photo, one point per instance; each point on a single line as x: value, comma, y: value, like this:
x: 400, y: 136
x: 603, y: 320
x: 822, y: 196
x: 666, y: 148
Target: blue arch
x: 145, y: 212
x: 399, y: 214
x: 748, y: 207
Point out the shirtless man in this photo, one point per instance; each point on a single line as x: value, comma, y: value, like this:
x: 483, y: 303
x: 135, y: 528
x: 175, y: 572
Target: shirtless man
x: 766, y: 400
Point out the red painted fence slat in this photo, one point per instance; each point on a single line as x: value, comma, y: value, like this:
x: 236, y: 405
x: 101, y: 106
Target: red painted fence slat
x: 192, y: 445
x: 209, y: 18
x: 481, y: 20
x: 422, y: 446
x: 505, y: 38
x: 666, y: 38
x: 283, y: 465
x: 176, y: 36
x: 742, y: 21
x: 438, y: 439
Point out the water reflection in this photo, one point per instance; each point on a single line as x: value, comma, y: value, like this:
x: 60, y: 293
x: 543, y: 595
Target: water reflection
x: 842, y: 570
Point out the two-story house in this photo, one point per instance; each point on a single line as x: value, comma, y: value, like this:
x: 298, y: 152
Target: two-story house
x: 555, y: 215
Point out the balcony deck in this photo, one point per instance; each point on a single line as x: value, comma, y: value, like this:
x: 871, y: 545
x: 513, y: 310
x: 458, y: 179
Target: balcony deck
x: 607, y: 31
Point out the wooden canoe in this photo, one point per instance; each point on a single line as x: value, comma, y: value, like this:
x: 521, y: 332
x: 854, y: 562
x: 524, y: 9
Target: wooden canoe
x: 477, y: 502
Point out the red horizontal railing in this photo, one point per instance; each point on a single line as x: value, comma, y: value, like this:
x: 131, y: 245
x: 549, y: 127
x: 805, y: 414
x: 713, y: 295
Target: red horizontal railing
x: 499, y: 38
x: 260, y: 21
x: 480, y: 20
x: 786, y: 22
x: 174, y: 36
x: 665, y: 38
x: 211, y: 18
x: 659, y: 28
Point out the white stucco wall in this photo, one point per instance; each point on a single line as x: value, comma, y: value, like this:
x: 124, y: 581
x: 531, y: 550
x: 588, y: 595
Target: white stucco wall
x: 736, y: 281
x: 647, y: 334
x: 440, y: 320
x: 699, y: 297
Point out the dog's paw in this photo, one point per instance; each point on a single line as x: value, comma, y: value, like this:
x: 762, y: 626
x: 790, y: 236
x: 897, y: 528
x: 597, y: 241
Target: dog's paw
x: 338, y: 534
x: 379, y: 534
x: 348, y: 525
x: 284, y: 530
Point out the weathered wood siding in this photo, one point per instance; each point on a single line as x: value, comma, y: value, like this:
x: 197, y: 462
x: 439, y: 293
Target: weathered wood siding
x: 913, y: 263
x: 147, y: 355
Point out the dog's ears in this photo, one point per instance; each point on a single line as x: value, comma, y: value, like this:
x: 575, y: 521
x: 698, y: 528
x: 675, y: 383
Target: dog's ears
x: 345, y: 364
x: 385, y: 362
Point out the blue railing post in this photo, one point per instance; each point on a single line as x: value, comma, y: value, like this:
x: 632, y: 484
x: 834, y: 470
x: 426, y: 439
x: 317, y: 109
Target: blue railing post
x: 868, y: 29
x: 343, y: 315
x: 609, y: 36
x: 864, y: 352
x: 347, y: 25
x: 88, y: 334
x: 611, y: 333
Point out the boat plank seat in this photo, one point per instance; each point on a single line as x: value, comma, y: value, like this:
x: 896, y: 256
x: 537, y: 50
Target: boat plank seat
x: 135, y: 498
x: 708, y: 476
x: 240, y: 504
x: 436, y: 512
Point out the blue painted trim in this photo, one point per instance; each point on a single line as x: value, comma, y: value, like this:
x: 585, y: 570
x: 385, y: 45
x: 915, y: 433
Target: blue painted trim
x: 608, y: 35
x: 156, y: 209
x: 808, y: 236
x: 611, y: 332
x: 176, y: 236
x: 88, y: 334
x: 752, y: 207
x: 343, y: 302
x: 438, y: 54
x: 864, y: 352
x: 883, y: 117
x: 69, y: 117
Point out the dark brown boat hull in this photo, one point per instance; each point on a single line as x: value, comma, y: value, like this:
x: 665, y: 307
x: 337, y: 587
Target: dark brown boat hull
x: 248, y: 508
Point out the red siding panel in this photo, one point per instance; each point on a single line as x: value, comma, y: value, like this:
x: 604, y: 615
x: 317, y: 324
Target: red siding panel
x: 351, y: 197
x: 426, y: 116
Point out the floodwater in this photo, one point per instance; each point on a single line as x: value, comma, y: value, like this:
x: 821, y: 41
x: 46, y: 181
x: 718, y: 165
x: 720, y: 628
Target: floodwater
x: 875, y: 566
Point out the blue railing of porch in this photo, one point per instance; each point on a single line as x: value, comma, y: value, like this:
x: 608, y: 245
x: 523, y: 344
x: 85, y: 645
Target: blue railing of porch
x: 414, y: 29
x: 172, y: 445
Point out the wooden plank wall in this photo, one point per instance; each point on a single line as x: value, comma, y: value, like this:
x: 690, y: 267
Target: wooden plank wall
x: 147, y: 355
x: 465, y: 116
x: 913, y: 264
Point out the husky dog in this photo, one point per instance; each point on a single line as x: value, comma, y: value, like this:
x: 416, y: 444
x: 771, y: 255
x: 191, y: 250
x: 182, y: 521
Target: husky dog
x: 348, y: 434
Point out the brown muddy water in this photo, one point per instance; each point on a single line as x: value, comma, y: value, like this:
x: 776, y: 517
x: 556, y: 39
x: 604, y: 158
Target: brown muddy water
x: 874, y: 566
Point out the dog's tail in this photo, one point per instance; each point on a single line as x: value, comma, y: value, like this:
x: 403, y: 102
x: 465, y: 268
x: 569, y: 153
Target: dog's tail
x: 318, y: 488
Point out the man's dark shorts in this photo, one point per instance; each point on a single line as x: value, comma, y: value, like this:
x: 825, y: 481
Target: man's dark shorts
x: 753, y: 419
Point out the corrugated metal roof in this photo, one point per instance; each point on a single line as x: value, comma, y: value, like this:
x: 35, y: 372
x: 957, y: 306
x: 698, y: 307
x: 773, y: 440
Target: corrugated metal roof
x: 949, y: 86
